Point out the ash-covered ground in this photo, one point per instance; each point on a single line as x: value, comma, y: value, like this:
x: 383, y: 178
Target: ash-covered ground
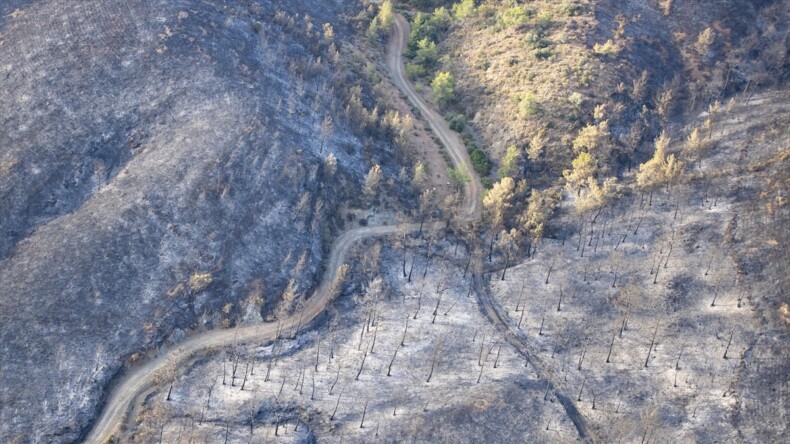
x: 667, y: 318
x: 667, y: 322
x: 360, y: 373
x: 162, y: 169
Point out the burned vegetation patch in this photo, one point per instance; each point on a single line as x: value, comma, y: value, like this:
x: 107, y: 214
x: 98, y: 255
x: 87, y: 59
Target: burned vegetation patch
x: 680, y: 290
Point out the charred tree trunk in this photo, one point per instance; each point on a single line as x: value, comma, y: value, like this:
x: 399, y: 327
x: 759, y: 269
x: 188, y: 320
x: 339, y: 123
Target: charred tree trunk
x: 337, y: 376
x: 611, y: 346
x: 652, y: 343
x: 361, y: 366
x: 337, y: 405
x: 364, y: 411
x: 551, y: 267
x: 405, y: 329
x: 559, y: 303
x: 244, y: 381
x: 725, y: 350
x: 392, y: 361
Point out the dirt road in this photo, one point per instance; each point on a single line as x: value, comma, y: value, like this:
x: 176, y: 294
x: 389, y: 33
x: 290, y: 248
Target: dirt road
x: 450, y: 139
x: 473, y: 192
x: 139, y: 379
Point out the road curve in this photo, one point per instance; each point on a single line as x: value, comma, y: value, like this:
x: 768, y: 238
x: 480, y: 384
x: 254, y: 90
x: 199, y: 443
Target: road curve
x: 449, y: 138
x: 139, y: 379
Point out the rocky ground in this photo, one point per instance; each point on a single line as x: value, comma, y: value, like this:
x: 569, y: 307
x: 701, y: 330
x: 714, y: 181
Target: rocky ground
x: 161, y: 171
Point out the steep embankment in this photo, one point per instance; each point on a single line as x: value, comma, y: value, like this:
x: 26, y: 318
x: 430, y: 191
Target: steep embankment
x: 613, y: 71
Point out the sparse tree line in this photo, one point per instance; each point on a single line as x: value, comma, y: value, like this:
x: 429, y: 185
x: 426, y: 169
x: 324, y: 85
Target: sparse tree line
x: 511, y: 205
x: 238, y: 366
x: 569, y: 351
x: 631, y: 300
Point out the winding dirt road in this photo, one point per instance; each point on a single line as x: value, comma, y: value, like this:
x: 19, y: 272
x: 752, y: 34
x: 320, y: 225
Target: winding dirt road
x: 140, y: 379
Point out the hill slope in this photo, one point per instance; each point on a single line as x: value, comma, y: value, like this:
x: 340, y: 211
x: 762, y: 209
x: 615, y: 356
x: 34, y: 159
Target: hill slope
x: 162, y: 170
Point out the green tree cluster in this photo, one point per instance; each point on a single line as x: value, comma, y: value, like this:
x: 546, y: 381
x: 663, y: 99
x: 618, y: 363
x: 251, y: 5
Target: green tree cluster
x: 382, y: 22
x: 510, y: 162
x: 540, y: 206
x: 514, y: 16
x: 430, y: 26
x: 592, y: 138
x: 527, y: 104
x: 498, y: 200
x: 661, y: 169
x: 597, y: 195
x: 426, y: 53
x: 464, y: 9
x: 426, y: 30
x: 536, y: 146
x: 443, y: 88
x: 480, y: 162
x: 458, y: 176
x: 584, y: 166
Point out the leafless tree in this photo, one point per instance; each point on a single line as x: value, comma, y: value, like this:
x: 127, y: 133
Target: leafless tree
x: 436, y: 353
x: 364, y: 411
x: 337, y: 376
x: 337, y: 405
x: 611, y: 347
x: 362, y: 364
x: 729, y: 341
x: 652, y: 343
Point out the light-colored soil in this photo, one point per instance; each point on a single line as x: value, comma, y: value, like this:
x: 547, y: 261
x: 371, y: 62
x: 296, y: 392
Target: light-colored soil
x: 449, y: 139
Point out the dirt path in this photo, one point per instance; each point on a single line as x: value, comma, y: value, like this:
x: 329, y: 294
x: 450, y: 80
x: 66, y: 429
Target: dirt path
x: 142, y: 378
x: 493, y: 312
x: 138, y: 380
x: 450, y: 139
